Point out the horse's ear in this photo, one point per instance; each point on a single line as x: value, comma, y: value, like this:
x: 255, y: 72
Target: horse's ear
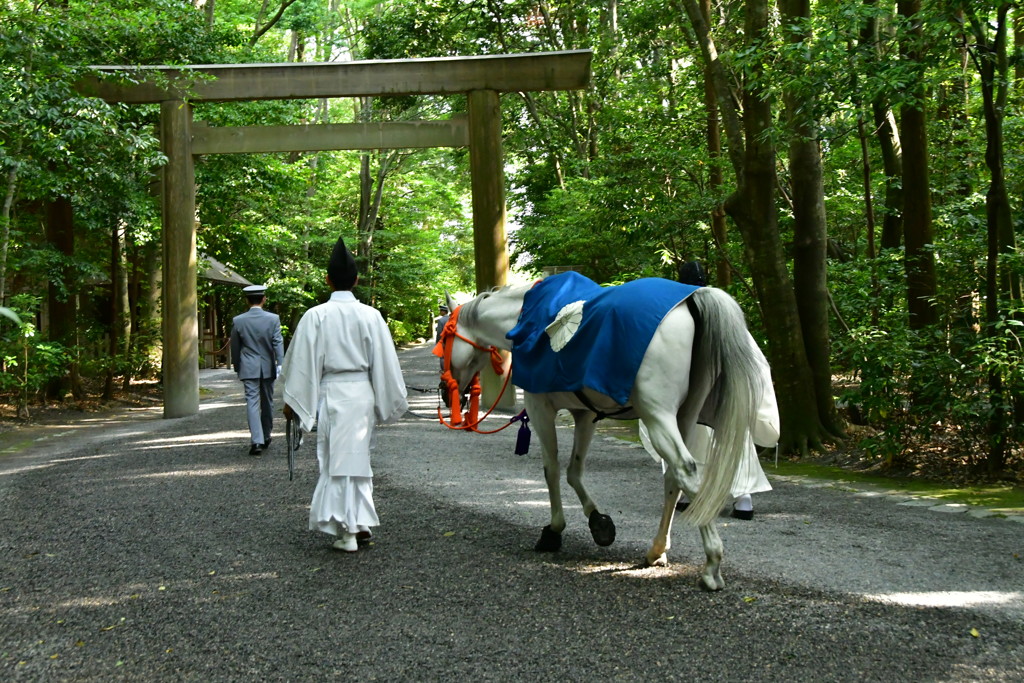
x: 448, y: 300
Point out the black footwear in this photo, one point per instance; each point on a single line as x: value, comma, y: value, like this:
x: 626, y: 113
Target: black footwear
x: 363, y: 537
x: 256, y: 449
x: 267, y: 444
x: 742, y: 514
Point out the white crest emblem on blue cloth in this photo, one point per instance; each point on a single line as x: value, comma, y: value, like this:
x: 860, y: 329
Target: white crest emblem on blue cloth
x: 565, y: 324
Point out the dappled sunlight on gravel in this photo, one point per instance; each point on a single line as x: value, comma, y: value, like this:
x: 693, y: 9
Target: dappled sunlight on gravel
x: 948, y: 598
x: 209, y: 472
x: 634, y: 570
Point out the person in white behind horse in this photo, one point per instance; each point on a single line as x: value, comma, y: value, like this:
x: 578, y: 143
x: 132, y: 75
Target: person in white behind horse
x: 341, y: 372
x: 750, y: 477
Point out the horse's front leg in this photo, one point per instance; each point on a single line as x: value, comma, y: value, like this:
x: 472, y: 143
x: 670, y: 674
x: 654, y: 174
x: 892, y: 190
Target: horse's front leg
x: 602, y: 528
x: 542, y: 418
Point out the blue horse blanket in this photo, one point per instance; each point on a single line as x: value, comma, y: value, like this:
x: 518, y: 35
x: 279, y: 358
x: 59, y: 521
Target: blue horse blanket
x: 609, y: 343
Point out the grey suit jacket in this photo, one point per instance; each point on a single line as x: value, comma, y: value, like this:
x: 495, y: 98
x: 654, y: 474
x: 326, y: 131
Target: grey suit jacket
x: 257, y: 348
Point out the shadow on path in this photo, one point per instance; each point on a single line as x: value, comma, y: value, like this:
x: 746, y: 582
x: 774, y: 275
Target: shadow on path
x: 150, y: 549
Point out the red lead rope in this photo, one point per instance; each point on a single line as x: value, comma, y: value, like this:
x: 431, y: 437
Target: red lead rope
x: 443, y: 349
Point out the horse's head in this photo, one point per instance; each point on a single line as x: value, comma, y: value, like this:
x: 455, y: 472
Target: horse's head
x: 460, y: 346
x: 469, y: 341
x: 461, y: 361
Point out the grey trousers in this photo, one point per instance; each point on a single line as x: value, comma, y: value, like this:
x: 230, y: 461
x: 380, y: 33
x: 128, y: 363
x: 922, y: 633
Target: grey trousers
x: 259, y: 408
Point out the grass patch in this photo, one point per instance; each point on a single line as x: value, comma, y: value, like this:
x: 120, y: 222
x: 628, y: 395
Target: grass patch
x: 1000, y: 497
x: 1003, y: 497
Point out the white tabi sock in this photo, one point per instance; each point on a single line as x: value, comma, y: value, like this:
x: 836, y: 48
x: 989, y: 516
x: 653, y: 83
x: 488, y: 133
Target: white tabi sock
x: 743, y: 503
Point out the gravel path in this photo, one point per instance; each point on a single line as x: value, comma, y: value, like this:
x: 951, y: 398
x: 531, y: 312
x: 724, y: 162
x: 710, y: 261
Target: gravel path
x: 137, y: 548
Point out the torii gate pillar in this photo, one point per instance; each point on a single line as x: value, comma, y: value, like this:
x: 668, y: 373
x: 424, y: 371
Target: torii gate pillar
x: 180, y: 296
x: 487, y: 175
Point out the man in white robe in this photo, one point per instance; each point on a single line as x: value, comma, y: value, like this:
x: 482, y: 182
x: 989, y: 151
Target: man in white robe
x: 341, y: 372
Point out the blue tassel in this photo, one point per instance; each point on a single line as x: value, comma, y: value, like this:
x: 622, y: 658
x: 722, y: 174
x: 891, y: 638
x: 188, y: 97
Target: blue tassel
x: 523, y: 438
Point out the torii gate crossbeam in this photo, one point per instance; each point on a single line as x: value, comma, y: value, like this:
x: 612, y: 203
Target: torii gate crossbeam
x: 482, y: 78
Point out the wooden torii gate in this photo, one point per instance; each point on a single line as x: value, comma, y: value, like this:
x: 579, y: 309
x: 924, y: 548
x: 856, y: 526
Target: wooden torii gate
x: 482, y: 79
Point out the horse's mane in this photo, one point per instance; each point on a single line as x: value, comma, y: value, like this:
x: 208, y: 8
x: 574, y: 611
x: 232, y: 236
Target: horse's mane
x: 470, y: 314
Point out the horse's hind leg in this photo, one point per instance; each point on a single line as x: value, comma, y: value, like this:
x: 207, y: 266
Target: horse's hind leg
x: 711, y: 575
x: 602, y: 528
x: 680, y: 476
x: 657, y: 556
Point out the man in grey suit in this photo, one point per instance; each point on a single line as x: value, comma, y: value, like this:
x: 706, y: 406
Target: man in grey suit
x: 257, y: 351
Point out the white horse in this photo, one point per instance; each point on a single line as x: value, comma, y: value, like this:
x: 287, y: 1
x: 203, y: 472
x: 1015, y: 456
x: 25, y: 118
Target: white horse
x: 720, y: 384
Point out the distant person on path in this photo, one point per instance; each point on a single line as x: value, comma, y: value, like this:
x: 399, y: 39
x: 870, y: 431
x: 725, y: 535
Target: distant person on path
x: 439, y: 324
x: 342, y: 372
x: 257, y: 350
x: 441, y: 321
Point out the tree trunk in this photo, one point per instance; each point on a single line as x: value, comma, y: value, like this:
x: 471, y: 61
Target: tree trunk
x: 728, y: 107
x: 371, y: 197
x: 361, y: 252
x: 134, y: 272
x: 1001, y: 284
x: 752, y: 206
x: 810, y: 238
x: 869, y: 217
x: 151, y: 309
x: 719, y: 229
x: 919, y: 262
x: 60, y: 233
x: 1018, y: 44
x: 116, y: 331
x: 124, y: 319
x: 888, y: 144
x: 5, y: 229
x: 892, y: 166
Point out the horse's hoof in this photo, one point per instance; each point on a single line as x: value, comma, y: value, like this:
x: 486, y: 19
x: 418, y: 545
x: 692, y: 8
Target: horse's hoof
x: 657, y: 561
x: 602, y: 528
x: 711, y: 583
x: 549, y: 542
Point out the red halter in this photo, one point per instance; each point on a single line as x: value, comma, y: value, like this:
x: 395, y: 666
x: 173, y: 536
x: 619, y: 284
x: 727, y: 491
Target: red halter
x: 443, y: 349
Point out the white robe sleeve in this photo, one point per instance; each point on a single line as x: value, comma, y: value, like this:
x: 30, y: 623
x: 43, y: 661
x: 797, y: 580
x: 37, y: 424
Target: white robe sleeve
x: 386, y: 377
x: 767, y: 424
x: 303, y: 366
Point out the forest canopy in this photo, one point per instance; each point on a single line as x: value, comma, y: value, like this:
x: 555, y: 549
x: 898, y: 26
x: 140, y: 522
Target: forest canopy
x: 849, y: 171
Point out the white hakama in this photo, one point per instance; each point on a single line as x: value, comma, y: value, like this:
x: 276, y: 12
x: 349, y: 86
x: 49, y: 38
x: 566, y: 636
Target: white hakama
x: 342, y: 372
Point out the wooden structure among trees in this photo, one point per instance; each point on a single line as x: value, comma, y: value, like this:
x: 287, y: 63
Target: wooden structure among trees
x: 481, y: 78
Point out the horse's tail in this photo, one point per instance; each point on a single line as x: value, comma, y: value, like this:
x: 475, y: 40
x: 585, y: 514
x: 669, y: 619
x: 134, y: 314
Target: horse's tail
x: 726, y: 351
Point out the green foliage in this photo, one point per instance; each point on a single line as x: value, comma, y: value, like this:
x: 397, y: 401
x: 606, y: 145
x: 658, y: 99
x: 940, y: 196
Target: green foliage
x: 435, y: 28
x: 615, y: 180
x: 32, y: 361
x: 56, y: 143
x: 913, y: 387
